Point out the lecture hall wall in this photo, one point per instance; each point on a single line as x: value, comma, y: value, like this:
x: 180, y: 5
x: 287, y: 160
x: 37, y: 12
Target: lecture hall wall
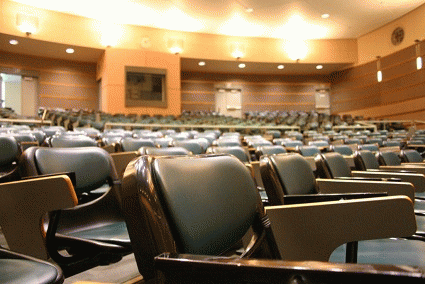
x: 352, y: 91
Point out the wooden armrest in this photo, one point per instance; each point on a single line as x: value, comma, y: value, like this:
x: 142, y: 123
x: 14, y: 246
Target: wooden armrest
x: 309, y: 198
x: 346, y: 185
x: 410, y: 168
x: 418, y: 164
x: 313, y: 231
x: 121, y: 160
x: 25, y: 202
x: 185, y: 268
x: 418, y: 180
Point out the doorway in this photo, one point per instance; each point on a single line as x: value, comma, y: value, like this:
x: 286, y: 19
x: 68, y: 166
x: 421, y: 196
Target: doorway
x: 19, y: 93
x: 228, y: 102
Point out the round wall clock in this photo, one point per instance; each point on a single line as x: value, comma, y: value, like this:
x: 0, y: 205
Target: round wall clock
x: 397, y: 36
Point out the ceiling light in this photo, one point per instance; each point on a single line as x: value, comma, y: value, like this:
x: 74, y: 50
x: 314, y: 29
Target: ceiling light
x: 201, y: 63
x: 175, y: 45
x: 318, y: 67
x: 27, y: 23
x: 69, y: 50
x: 242, y: 65
x: 325, y: 16
x: 296, y: 49
x: 280, y: 67
x: 418, y: 55
x: 378, y: 67
x: 249, y: 10
x: 13, y: 42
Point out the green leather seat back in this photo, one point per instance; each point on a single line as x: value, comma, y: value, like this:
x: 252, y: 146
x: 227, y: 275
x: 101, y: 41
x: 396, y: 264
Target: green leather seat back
x: 169, y: 151
x: 71, y: 142
x: 273, y: 149
x: 133, y: 144
x: 365, y: 160
x: 411, y: 156
x: 338, y: 166
x: 92, y: 165
x: 389, y: 158
x: 236, y: 151
x: 212, y: 201
x: 9, y: 150
x: 295, y: 174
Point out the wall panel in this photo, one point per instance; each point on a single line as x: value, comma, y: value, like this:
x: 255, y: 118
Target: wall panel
x: 401, y: 93
x: 259, y: 92
x: 62, y: 84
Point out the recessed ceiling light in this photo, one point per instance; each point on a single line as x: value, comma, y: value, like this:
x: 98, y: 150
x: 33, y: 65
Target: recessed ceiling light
x: 249, y: 10
x: 69, y: 50
x: 201, y: 63
x: 325, y: 16
x: 280, y: 66
x: 13, y: 42
x: 319, y: 67
x: 242, y: 65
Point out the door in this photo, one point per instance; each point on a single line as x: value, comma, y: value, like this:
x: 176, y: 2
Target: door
x: 229, y: 102
x: 29, y: 96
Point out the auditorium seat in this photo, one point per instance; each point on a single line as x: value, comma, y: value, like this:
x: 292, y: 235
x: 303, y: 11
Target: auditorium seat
x: 130, y: 144
x: 269, y: 150
x: 288, y: 179
x: 10, y: 152
x: 208, y: 214
x: 18, y: 268
x: 95, y: 228
x: 411, y: 156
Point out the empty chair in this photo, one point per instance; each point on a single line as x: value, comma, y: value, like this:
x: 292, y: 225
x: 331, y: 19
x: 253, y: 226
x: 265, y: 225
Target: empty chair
x: 321, y: 144
x: 291, y: 144
x: 10, y: 153
x: 163, y: 142
x: 237, y: 151
x: 20, y: 268
x: 91, y: 229
x: 388, y: 158
x: 290, y: 174
x: 369, y: 147
x: 192, y: 145
x: 169, y: 151
x: 52, y: 130
x: 342, y: 149
x: 227, y: 142
x: 63, y: 141
x: 308, y: 151
x: 208, y: 214
x: 269, y: 150
x: 410, y: 156
x: 129, y: 144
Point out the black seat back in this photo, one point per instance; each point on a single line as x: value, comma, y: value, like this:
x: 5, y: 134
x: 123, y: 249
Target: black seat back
x: 388, y: 158
x: 286, y: 174
x: 190, y: 204
x: 93, y: 167
x: 365, y: 160
x: 332, y: 165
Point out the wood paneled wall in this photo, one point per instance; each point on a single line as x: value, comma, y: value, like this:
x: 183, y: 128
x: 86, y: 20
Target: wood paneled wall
x: 259, y: 92
x: 400, y: 95
x: 62, y: 84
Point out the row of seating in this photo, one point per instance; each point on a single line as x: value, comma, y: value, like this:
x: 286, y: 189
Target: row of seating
x: 304, y: 121
x: 179, y: 176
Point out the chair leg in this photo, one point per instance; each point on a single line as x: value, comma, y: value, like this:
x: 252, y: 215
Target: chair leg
x: 351, y: 253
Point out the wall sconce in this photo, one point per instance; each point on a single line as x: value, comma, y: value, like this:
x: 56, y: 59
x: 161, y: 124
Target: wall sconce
x: 175, y: 45
x: 27, y: 23
x: 418, y: 55
x: 238, y: 50
x: 378, y: 67
x: 296, y: 49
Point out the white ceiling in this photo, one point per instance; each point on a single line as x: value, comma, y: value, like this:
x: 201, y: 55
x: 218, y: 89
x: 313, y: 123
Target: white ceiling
x: 269, y: 18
